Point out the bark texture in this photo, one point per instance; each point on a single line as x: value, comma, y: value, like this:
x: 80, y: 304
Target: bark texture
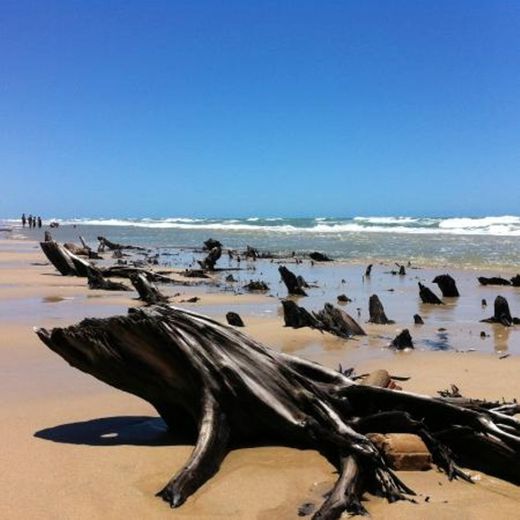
x: 209, y: 378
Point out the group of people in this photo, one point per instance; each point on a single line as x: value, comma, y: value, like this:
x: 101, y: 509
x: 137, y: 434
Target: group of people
x: 31, y: 221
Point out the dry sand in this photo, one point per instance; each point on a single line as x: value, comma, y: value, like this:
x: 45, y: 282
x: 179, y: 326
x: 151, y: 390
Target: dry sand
x: 74, y: 448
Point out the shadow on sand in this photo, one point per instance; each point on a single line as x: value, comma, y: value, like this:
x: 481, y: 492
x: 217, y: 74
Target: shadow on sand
x: 115, y: 431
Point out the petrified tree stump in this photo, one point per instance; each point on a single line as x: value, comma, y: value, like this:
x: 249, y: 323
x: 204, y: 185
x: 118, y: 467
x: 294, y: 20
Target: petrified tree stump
x: 293, y: 283
x: 147, y: 290
x: 402, y: 340
x: 502, y: 313
x: 234, y: 319
x: 447, y: 285
x: 205, y: 377
x: 209, y: 262
x: 377, y: 311
x: 63, y: 260
x: 319, y: 257
x: 428, y: 296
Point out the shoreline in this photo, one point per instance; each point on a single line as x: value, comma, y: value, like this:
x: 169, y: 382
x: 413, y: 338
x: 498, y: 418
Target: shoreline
x: 96, y: 452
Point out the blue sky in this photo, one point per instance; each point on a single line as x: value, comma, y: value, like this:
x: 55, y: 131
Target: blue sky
x: 224, y: 108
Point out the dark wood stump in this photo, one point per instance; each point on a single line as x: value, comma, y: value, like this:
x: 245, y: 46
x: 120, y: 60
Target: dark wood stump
x: 377, y: 312
x: 227, y: 389
x: 447, y: 285
x: 293, y: 283
x: 428, y: 296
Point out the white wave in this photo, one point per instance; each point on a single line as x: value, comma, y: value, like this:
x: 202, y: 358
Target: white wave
x: 387, y: 220
x: 253, y: 219
x: 493, y: 226
x: 476, y: 223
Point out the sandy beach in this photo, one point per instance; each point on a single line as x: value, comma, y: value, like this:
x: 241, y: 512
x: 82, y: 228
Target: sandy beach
x: 74, y: 448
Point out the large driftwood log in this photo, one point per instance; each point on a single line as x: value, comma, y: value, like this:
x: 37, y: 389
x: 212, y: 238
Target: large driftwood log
x: 447, y: 285
x: 205, y: 377
x: 502, y: 313
x: 428, y: 296
x: 67, y: 263
x: 147, y: 290
x: 97, y: 281
x: 293, y: 283
x: 319, y: 257
x: 376, y: 311
x: 494, y: 280
x: 104, y: 242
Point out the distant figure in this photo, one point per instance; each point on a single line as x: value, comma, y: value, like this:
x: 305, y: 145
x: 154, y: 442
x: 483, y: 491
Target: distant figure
x: 24, y: 220
x: 30, y: 221
x: 39, y: 222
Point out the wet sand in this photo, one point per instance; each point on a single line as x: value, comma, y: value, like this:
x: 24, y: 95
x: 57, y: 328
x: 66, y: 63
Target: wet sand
x: 74, y: 448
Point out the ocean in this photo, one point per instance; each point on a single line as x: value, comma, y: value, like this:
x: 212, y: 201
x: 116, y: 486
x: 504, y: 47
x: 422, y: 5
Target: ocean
x: 492, y: 242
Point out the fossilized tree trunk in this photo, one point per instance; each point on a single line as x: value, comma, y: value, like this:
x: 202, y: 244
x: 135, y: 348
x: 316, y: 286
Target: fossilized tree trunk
x: 207, y: 377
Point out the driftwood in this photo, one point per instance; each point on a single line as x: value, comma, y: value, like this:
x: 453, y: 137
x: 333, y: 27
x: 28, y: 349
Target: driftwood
x: 329, y: 319
x: 210, y: 243
x: 417, y: 319
x: 319, y: 257
x: 428, y: 296
x: 147, y: 290
x: 402, y: 340
x: 447, y: 285
x: 90, y: 252
x: 343, y: 298
x: 96, y: 281
x: 67, y: 263
x: 194, y: 273
x: 293, y: 283
x: 211, y: 259
x: 368, y: 270
x: 75, y: 249
x: 256, y: 285
x: 234, y: 319
x: 376, y: 311
x: 227, y: 389
x: 494, y: 280
x: 297, y: 317
x: 502, y: 313
x: 338, y: 322
x: 104, y: 242
x: 124, y: 271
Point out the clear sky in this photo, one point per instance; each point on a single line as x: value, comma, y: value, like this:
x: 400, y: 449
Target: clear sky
x: 240, y: 108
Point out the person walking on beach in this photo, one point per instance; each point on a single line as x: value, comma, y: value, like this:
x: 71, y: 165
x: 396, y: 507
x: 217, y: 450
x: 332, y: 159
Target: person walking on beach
x: 24, y: 220
x: 30, y: 221
x: 39, y: 222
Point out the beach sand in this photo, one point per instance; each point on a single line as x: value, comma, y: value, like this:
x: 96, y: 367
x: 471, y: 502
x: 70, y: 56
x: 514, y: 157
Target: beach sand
x: 74, y: 448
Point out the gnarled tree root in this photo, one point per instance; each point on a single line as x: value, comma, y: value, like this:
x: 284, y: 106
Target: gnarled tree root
x: 205, y: 376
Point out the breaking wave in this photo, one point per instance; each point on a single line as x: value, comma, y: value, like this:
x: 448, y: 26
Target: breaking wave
x: 491, y: 226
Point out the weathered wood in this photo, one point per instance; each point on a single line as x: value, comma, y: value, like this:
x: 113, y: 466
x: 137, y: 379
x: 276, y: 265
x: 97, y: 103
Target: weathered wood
x: 338, y: 322
x: 402, y: 340
x: 447, y: 285
x: 428, y: 296
x: 147, y: 290
x: 494, y: 280
x: 291, y: 281
x: 319, y: 257
x: 96, y: 281
x: 343, y: 298
x: 418, y: 320
x: 211, y: 259
x: 234, y: 319
x: 209, y: 379
x: 256, y: 285
x: 368, y: 270
x: 104, y: 242
x: 63, y: 260
x: 502, y: 313
x: 515, y: 281
x: 297, y: 317
x: 210, y: 243
x: 376, y: 311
